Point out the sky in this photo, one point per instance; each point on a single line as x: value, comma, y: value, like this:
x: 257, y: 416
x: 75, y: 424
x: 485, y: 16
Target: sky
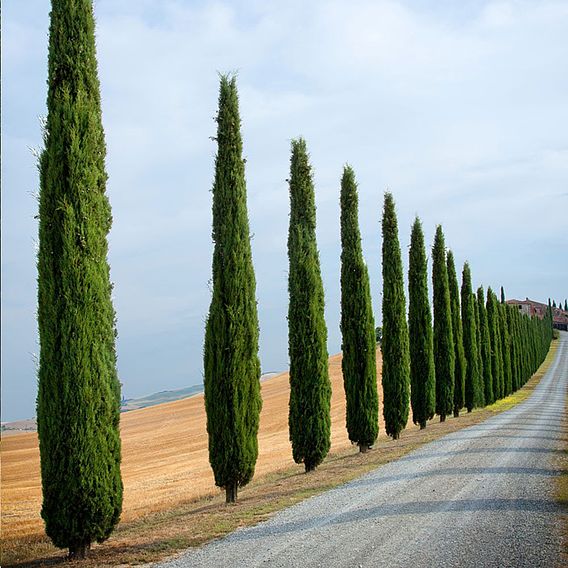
x: 458, y: 108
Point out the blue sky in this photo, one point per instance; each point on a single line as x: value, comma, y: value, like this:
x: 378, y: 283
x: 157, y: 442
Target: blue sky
x: 458, y: 108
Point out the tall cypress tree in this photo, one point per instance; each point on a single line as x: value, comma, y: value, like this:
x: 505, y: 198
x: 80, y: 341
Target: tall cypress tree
x: 479, y: 349
x: 473, y: 392
x: 395, y: 348
x: 516, y: 317
x: 231, y: 364
x: 422, y: 378
x: 78, y: 400
x: 310, y: 388
x: 511, y: 323
x: 485, y: 348
x: 499, y: 345
x: 495, y: 338
x: 444, y: 350
x: 505, y: 347
x: 457, y: 331
x: 357, y: 325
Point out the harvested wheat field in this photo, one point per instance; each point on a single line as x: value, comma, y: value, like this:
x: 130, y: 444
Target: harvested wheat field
x: 164, y: 455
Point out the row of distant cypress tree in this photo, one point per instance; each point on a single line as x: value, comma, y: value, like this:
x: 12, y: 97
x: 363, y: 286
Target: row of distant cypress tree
x: 478, y: 349
x: 79, y: 393
x: 432, y: 367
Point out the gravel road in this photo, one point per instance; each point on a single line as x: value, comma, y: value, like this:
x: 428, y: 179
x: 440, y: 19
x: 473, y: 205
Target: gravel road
x: 481, y: 497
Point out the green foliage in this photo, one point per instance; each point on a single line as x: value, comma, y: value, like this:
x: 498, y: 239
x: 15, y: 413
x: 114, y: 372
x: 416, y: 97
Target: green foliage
x: 513, y: 348
x: 444, y: 349
x: 395, y: 347
x: 485, y: 348
x: 310, y: 388
x: 505, y: 348
x: 479, y: 350
x: 357, y: 325
x: 494, y: 324
x: 78, y: 399
x: 231, y: 364
x: 422, y: 378
x: 473, y: 380
x: 529, y: 339
x: 379, y: 335
x: 457, y: 332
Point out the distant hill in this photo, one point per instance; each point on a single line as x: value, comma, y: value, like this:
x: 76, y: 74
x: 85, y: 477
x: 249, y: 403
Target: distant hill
x: 169, y: 396
x: 27, y: 425
x: 127, y: 404
x: 158, y: 398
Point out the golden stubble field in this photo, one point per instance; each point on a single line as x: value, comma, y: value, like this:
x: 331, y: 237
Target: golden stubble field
x: 164, y: 455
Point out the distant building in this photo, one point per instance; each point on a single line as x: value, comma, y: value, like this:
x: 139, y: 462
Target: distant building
x: 560, y: 319
x: 532, y: 308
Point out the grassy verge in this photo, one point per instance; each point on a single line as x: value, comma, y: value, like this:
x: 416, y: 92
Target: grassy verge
x: 160, y: 535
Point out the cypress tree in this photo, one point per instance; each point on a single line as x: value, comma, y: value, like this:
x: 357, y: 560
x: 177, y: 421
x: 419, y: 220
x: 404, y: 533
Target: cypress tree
x: 511, y: 323
x: 517, y: 319
x: 395, y: 348
x: 422, y: 378
x: 231, y: 364
x: 485, y: 348
x: 566, y: 305
x: 502, y: 295
x: 500, y: 346
x: 495, y: 338
x: 444, y: 350
x: 506, y: 350
x: 473, y: 392
x: 78, y: 400
x: 479, y: 350
x: 457, y: 331
x: 357, y: 325
x: 524, y: 348
x: 310, y: 388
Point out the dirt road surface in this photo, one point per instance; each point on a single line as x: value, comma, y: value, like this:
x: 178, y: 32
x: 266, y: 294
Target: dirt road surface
x: 481, y: 497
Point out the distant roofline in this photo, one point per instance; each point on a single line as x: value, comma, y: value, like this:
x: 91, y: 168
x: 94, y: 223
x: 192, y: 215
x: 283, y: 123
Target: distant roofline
x: 558, y: 314
x: 527, y: 301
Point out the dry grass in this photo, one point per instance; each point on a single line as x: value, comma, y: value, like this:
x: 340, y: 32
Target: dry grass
x: 170, y: 500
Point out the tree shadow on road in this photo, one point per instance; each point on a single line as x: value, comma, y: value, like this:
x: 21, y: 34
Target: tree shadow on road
x: 319, y: 522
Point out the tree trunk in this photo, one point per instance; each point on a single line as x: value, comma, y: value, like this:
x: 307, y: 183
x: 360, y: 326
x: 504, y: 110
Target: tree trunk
x: 231, y: 492
x: 422, y: 425
x: 79, y: 551
x: 469, y: 410
x: 364, y: 448
x: 456, y: 413
x: 396, y: 436
x: 309, y: 467
x: 443, y: 418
